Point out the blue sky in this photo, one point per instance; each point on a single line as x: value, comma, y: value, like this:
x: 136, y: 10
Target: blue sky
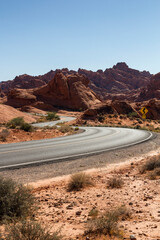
x: 39, y: 35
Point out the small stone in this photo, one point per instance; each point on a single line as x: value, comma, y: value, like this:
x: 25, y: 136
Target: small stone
x: 78, y: 213
x: 133, y: 237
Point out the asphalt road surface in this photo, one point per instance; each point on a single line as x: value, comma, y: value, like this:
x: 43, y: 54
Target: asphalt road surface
x: 92, y: 141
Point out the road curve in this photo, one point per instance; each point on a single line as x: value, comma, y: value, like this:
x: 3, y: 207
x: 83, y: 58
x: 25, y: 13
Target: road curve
x: 93, y: 140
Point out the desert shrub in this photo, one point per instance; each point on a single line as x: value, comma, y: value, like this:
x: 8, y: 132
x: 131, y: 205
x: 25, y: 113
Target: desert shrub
x: 122, y: 213
x: 115, y: 182
x: 79, y: 181
x: 26, y: 127
x: 52, y: 116
x: 16, y: 201
x: 29, y: 230
x: 150, y: 165
x: 154, y: 174
x: 50, y: 127
x: 4, y: 134
x: 132, y: 114
x: 15, y: 122
x: 107, y: 223
x: 65, y: 129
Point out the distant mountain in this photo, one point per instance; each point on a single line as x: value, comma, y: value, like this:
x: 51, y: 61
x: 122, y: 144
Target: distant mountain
x: 118, y: 82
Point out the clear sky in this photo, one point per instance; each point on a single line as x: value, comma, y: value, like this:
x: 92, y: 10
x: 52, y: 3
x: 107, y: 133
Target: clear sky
x: 39, y: 35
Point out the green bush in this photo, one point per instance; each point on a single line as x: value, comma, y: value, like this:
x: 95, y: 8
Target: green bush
x: 132, y: 115
x: 29, y: 230
x: 52, y: 116
x: 15, y: 122
x: 16, y: 201
x: 79, y: 181
x: 26, y: 127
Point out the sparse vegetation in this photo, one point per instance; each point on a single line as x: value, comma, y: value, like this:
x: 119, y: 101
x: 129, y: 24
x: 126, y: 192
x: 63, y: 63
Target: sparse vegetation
x: 151, y: 164
x: 29, y: 230
x: 19, y: 123
x: 4, y: 134
x: 79, y: 181
x: 76, y: 128
x: 151, y: 167
x: 115, y: 182
x: 132, y: 115
x: 52, y: 116
x: 15, y: 122
x: 16, y: 201
x: 65, y: 128
x: 107, y: 223
x: 26, y: 127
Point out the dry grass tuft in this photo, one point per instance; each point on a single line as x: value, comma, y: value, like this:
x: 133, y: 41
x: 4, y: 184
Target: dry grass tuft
x: 29, y: 230
x: 115, y: 182
x: 79, y: 181
x: 107, y: 224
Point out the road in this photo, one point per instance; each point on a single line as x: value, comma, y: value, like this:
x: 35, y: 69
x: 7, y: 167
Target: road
x: 92, y: 141
x: 52, y: 123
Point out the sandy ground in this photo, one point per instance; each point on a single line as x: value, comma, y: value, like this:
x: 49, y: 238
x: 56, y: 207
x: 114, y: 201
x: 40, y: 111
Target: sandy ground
x: 69, y: 211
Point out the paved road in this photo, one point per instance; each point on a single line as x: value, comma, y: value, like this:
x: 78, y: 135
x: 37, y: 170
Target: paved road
x: 93, y: 140
x: 52, y: 123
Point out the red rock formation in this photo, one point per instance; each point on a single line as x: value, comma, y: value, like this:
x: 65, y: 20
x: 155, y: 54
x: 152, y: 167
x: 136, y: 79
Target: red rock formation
x: 20, y: 97
x: 122, y: 107
x: 70, y: 91
x: 152, y: 90
x: 119, y: 81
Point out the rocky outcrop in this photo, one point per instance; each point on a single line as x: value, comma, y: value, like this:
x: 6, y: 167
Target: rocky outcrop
x: 20, y: 97
x: 114, y: 107
x: 152, y: 90
x: 70, y: 91
x: 119, y: 81
x: 153, y: 107
x: 93, y: 112
x: 122, y: 107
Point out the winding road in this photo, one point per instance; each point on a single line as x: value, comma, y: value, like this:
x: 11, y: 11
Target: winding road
x: 92, y: 141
